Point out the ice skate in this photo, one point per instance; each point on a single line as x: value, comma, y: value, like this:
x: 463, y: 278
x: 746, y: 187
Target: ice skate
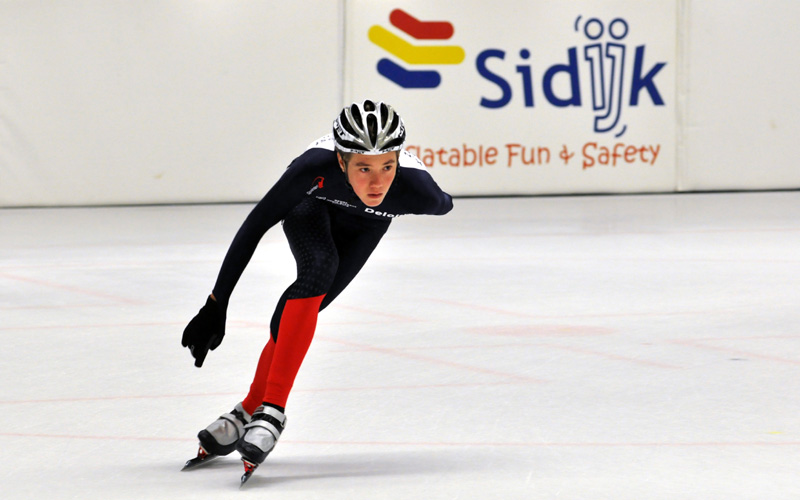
x: 219, y: 438
x: 260, y: 437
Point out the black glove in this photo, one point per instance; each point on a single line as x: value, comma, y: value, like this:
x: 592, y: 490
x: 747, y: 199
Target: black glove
x: 205, y: 331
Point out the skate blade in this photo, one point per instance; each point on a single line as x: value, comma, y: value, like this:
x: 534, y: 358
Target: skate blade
x: 249, y: 468
x: 198, y: 461
x: 203, y: 457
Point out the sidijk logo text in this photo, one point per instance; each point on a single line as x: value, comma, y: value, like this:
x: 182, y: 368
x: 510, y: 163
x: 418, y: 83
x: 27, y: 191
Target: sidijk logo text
x: 606, y: 66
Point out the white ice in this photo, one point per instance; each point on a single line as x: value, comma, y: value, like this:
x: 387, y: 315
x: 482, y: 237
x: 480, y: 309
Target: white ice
x: 612, y: 347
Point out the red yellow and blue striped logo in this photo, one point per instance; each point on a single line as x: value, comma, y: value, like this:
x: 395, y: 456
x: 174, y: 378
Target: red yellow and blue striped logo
x: 413, y: 53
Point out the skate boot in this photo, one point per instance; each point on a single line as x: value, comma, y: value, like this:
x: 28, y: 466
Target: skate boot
x: 260, y: 437
x: 219, y: 438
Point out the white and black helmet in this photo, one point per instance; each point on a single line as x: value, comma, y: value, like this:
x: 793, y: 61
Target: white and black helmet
x: 369, y: 128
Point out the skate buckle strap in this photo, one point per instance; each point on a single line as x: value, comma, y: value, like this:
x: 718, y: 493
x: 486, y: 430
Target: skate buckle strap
x: 240, y: 413
x: 269, y: 418
x: 237, y: 416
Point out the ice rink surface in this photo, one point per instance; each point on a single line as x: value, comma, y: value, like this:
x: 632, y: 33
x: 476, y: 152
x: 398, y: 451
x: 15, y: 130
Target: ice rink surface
x: 612, y: 347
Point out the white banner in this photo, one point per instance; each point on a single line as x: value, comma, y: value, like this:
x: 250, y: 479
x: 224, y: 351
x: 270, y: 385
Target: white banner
x: 525, y: 97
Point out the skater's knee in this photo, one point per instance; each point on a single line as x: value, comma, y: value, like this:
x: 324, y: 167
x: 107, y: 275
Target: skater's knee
x: 319, y: 269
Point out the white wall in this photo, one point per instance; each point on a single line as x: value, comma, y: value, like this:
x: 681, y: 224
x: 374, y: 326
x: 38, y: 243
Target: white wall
x: 159, y: 101
x: 741, y: 119
x: 117, y: 101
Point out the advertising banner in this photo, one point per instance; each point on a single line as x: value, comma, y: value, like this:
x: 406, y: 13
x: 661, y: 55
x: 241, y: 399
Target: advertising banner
x: 525, y: 97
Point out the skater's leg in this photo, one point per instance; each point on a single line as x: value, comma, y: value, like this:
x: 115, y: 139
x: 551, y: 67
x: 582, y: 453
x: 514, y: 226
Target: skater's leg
x: 298, y: 323
x: 308, y: 231
x: 349, y: 241
x: 328, y: 258
x: 256, y: 395
x: 354, y: 240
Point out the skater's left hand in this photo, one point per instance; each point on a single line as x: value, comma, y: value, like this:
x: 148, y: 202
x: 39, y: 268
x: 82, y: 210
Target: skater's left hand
x: 205, y: 331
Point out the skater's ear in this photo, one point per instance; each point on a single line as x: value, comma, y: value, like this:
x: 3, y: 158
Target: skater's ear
x: 344, y: 159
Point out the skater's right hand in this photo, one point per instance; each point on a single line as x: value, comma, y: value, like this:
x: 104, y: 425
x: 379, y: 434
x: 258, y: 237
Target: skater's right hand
x: 205, y: 331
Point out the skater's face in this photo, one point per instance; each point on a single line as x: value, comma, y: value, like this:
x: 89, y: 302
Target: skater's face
x: 370, y: 175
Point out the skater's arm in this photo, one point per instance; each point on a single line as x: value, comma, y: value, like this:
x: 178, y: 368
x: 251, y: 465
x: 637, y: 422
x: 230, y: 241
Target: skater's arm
x: 423, y: 195
x: 283, y: 196
x: 428, y: 198
x: 439, y: 202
